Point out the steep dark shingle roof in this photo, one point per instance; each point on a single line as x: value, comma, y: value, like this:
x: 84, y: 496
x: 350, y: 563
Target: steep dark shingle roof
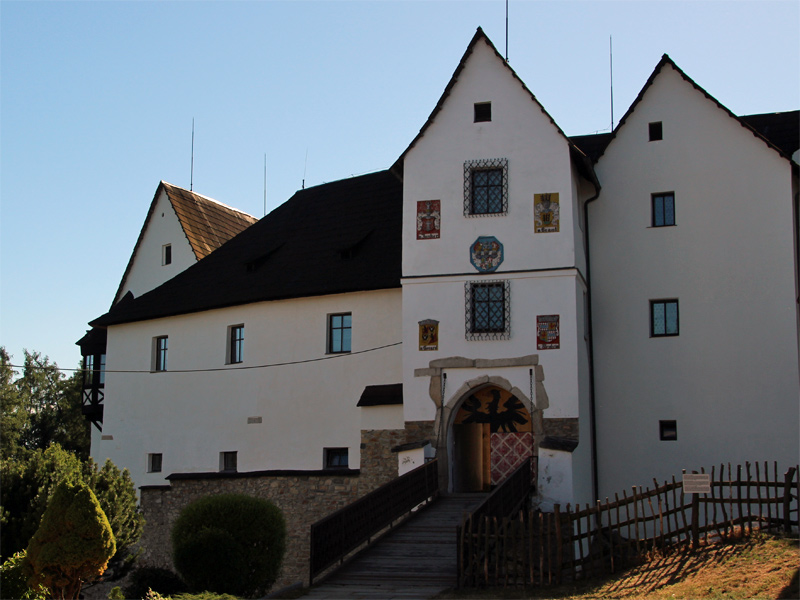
x: 334, y: 238
x: 206, y: 223
x: 782, y: 128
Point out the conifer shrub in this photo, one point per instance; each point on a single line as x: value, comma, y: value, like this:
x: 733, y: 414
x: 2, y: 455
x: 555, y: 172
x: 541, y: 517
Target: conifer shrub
x: 229, y: 543
x: 73, y: 544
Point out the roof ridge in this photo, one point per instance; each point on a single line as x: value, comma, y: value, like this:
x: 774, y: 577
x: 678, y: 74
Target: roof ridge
x: 209, y: 198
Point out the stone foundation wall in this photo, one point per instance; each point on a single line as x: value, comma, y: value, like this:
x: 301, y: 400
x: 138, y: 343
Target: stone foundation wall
x: 303, y: 499
x: 566, y: 428
x: 378, y: 462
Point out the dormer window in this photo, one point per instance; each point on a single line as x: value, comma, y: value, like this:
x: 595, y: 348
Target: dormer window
x: 483, y: 112
x: 166, y: 254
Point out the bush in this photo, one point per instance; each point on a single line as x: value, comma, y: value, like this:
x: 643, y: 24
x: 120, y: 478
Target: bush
x: 73, y: 543
x: 163, y: 581
x: 29, y: 484
x: 229, y: 543
x: 14, y: 581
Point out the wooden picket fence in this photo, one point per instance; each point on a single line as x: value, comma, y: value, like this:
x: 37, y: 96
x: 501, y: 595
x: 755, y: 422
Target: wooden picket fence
x: 535, y: 548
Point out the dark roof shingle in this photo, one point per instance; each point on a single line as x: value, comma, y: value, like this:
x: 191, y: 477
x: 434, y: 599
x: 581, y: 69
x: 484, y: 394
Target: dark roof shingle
x: 334, y: 238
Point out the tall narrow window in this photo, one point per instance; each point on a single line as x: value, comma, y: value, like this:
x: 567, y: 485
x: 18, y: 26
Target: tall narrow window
x: 235, y: 344
x: 663, y: 318
x: 663, y: 209
x: 339, y: 333
x: 88, y: 370
x: 166, y: 254
x: 160, y: 355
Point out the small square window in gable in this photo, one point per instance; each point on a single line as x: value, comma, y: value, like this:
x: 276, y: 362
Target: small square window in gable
x: 483, y: 112
x: 656, y: 131
x: 668, y: 431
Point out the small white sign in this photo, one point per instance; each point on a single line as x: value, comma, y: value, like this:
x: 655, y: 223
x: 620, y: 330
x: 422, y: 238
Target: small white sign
x: 696, y: 483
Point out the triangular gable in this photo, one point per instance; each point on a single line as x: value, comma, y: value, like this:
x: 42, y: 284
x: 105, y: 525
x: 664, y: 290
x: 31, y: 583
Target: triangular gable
x: 667, y: 61
x: 206, y: 223
x: 582, y: 161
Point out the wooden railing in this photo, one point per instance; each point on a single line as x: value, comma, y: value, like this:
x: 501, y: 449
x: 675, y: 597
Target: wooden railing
x: 505, y: 500
x: 536, y: 548
x: 338, y: 534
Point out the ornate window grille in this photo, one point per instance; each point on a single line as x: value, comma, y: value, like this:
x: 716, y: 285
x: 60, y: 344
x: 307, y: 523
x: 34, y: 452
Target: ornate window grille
x: 487, y: 310
x: 486, y: 187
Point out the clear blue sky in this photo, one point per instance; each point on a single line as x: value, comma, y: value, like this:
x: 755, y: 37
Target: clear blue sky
x: 98, y: 100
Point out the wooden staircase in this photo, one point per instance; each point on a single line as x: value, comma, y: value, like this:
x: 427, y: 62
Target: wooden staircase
x: 414, y: 561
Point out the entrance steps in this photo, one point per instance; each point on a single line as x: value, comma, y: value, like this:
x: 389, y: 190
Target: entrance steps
x: 416, y: 560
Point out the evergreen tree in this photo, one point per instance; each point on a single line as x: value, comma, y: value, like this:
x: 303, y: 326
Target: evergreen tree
x: 72, y: 545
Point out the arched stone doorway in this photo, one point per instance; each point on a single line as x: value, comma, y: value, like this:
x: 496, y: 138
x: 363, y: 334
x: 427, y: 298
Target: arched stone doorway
x: 491, y: 435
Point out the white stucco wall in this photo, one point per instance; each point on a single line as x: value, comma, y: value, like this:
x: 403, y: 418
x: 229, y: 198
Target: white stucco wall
x: 730, y: 379
x: 538, y: 162
x: 305, y: 407
x: 147, y: 271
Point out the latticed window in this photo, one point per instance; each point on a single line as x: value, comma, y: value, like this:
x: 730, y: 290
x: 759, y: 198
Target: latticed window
x: 488, y: 310
x: 160, y: 358
x: 339, y: 333
x: 486, y: 187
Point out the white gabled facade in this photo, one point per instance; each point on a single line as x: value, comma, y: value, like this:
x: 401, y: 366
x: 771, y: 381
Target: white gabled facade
x: 149, y: 264
x: 544, y: 271
x: 729, y: 379
x: 535, y: 345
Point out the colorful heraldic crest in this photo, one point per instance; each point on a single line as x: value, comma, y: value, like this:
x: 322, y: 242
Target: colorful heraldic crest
x: 429, y: 219
x: 486, y: 254
x: 545, y: 213
x: 547, y: 332
x: 429, y: 335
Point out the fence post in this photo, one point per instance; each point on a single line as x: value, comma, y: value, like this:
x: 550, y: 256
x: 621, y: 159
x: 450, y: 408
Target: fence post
x: 787, y: 499
x: 695, y: 521
x: 559, y: 552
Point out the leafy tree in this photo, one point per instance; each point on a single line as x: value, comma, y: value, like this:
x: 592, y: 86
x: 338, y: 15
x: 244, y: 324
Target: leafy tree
x: 73, y: 543
x: 28, y: 486
x: 41, y: 407
x: 14, y: 582
x: 229, y: 543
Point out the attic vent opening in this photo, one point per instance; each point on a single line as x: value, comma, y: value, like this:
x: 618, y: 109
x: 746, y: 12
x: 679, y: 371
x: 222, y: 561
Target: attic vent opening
x: 483, y: 112
x: 254, y: 264
x: 351, y: 251
x: 655, y: 131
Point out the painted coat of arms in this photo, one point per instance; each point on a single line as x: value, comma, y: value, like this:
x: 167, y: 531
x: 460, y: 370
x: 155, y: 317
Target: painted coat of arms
x: 548, y: 336
x: 429, y: 219
x: 429, y: 335
x: 546, y: 213
x: 486, y: 254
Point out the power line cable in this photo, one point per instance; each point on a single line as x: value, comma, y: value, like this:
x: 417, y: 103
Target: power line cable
x: 241, y: 368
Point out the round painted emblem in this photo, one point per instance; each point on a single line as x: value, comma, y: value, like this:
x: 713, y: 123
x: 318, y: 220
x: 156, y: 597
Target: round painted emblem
x: 486, y: 254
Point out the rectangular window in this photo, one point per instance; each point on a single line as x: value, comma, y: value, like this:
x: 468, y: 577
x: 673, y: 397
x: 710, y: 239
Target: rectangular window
x: 88, y: 370
x: 166, y: 254
x: 160, y: 346
x: 339, y: 333
x: 488, y: 310
x: 154, y: 463
x: 483, y: 112
x: 663, y: 318
x: 663, y: 209
x: 336, y: 458
x: 228, y: 461
x: 486, y: 187
x: 668, y: 431
x: 655, y: 130
x: 235, y: 344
